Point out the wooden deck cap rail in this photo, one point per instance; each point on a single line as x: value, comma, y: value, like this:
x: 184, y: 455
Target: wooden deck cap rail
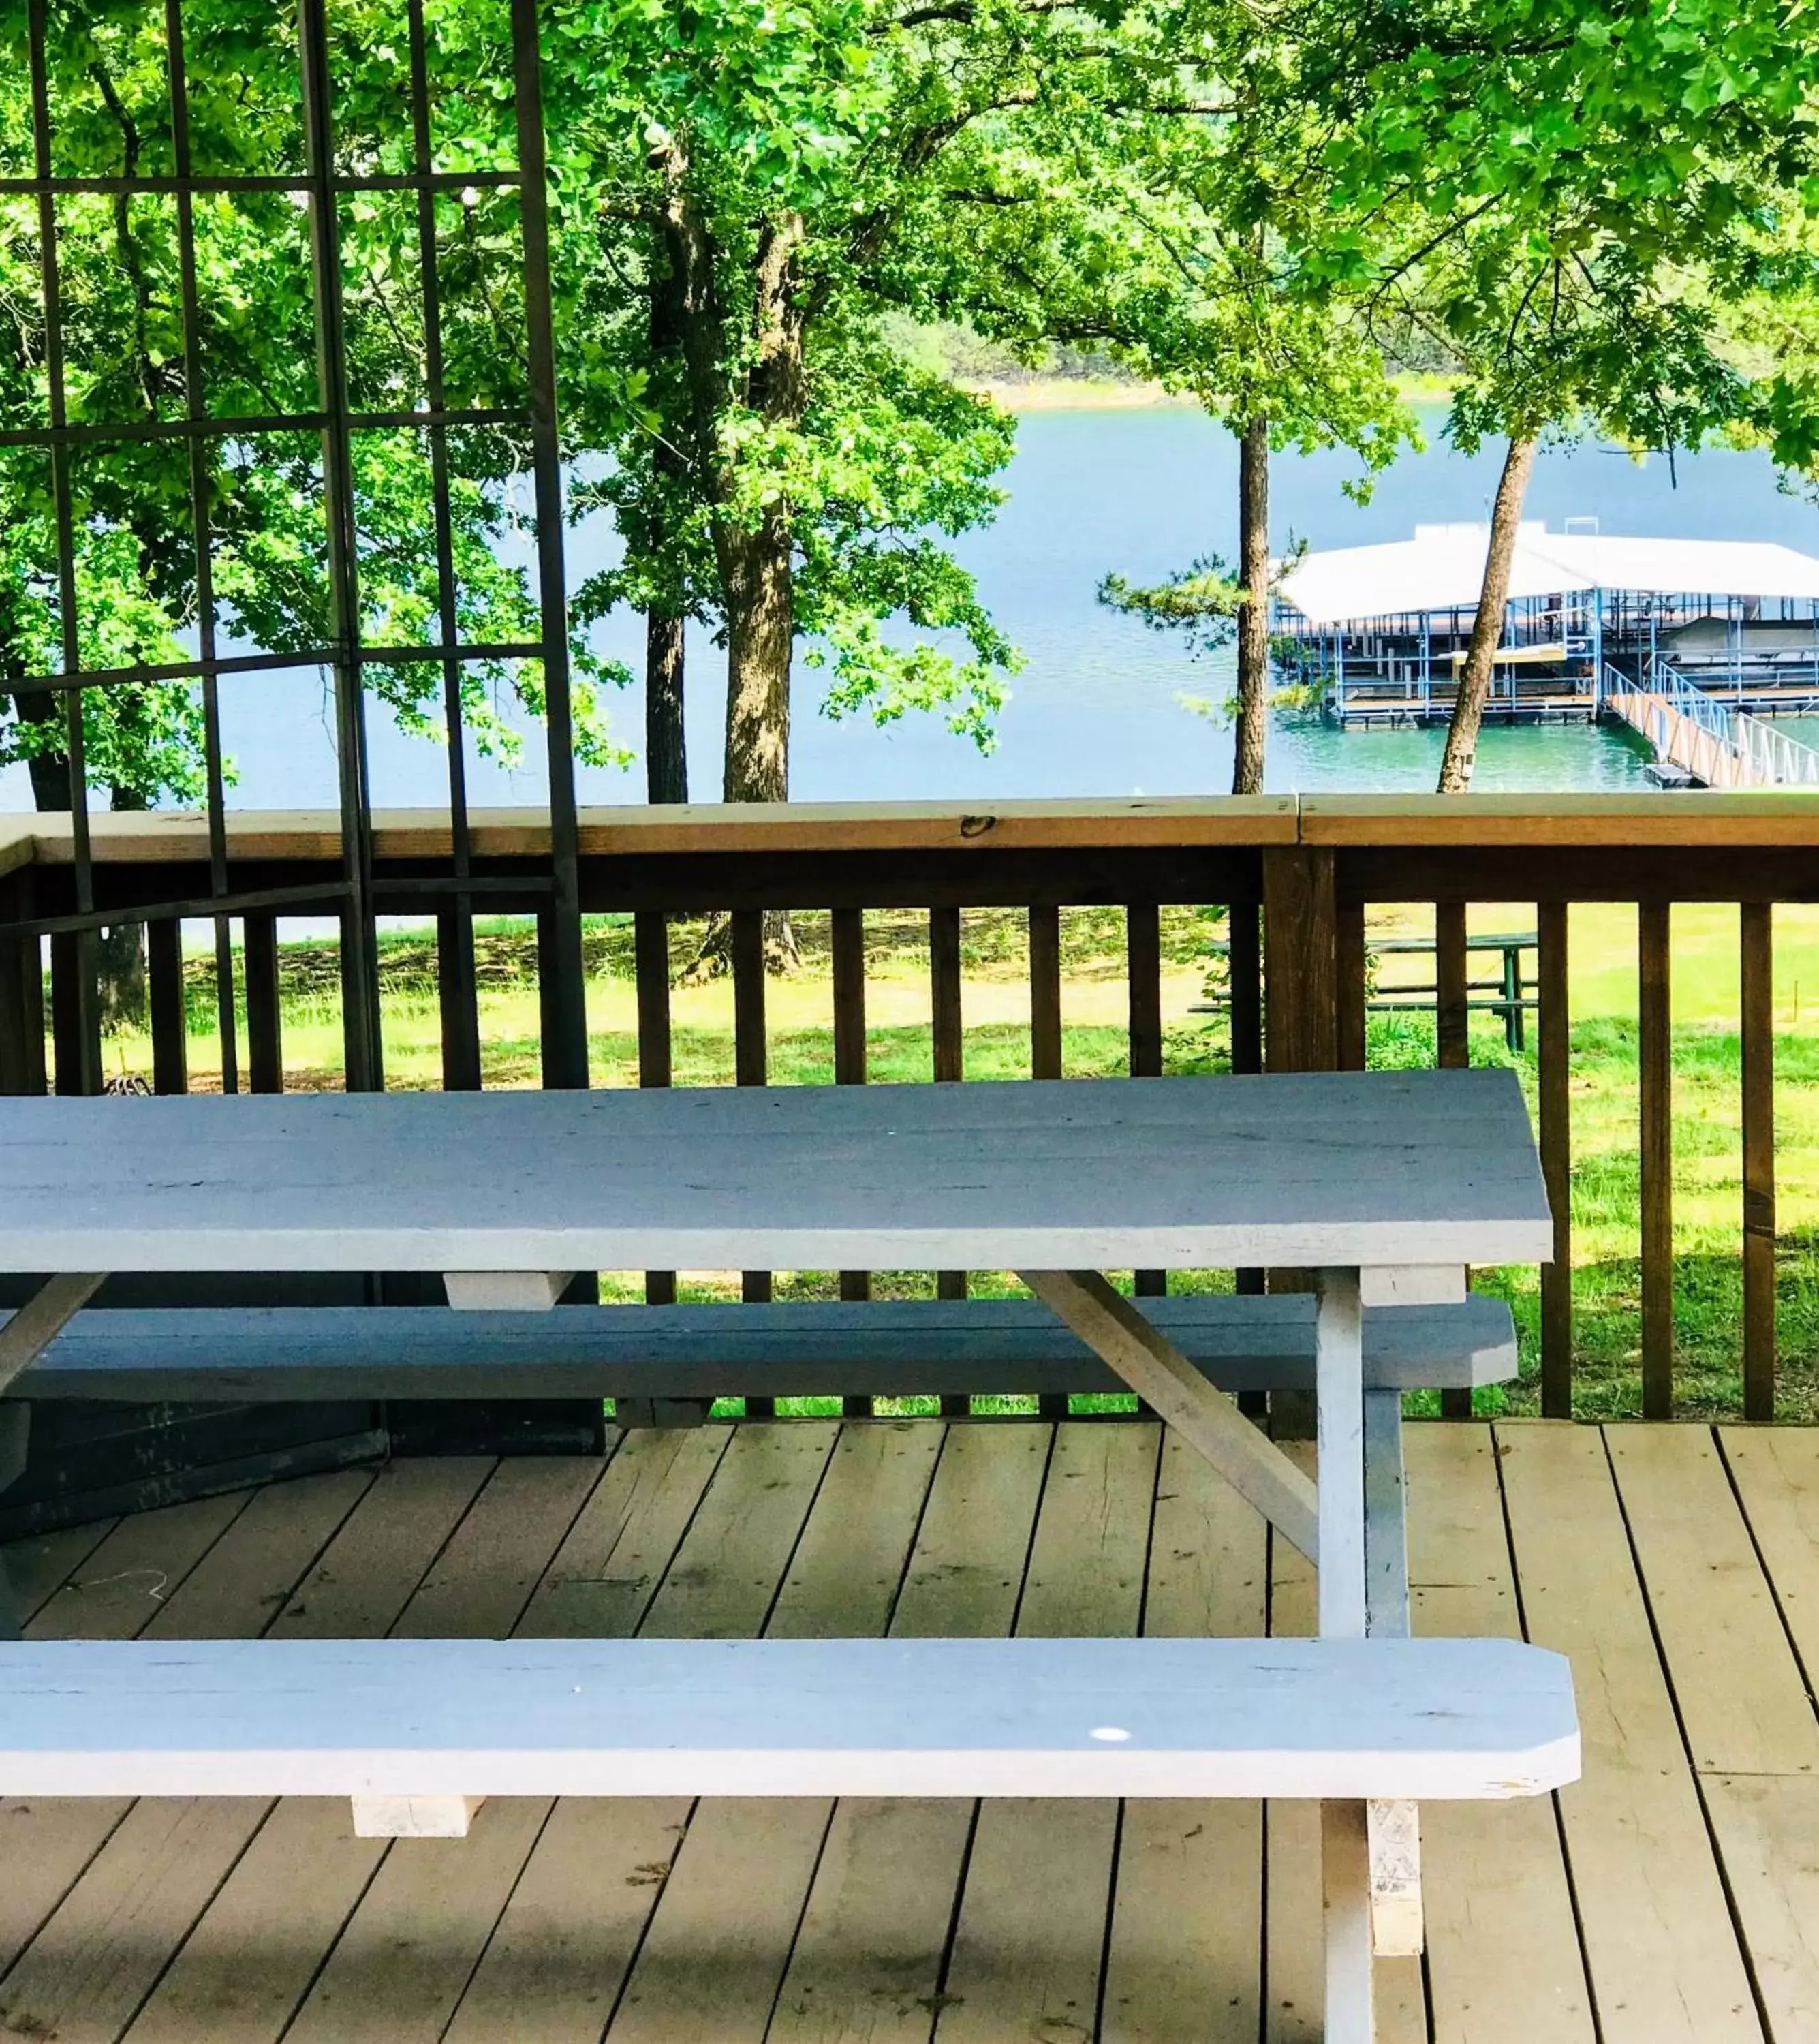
x: 1766, y: 819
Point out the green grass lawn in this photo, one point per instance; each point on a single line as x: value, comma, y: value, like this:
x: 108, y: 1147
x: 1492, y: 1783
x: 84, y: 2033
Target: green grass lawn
x: 1707, y: 1174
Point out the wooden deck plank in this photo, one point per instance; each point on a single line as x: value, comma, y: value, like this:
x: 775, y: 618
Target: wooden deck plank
x: 736, y: 1886
x: 1294, y: 1978
x: 1504, y: 1965
x: 553, y: 1968
x: 868, y: 1950
x: 369, y: 1571
x: 397, y: 1969
x: 1742, y: 1700
x: 1183, y: 1960
x: 1664, y: 1960
x: 1028, y: 1937
x: 52, y: 1845
x: 135, y: 1571
x: 966, y: 1569
x: 1776, y: 1472
x: 1741, y: 1696
x: 848, y: 1567
x: 889, y: 1871
x: 728, y: 1571
x: 1766, y: 1825
x: 556, y: 1959
x: 297, y: 1863
x: 607, y: 1570
x: 236, y: 1589
x: 480, y: 1583
x: 37, y: 1568
x: 100, y: 1954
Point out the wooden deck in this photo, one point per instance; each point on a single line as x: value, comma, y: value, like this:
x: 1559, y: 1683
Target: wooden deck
x: 1673, y: 1895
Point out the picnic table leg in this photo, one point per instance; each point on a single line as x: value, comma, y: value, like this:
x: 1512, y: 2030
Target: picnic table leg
x: 1344, y: 1832
x: 1397, y: 1928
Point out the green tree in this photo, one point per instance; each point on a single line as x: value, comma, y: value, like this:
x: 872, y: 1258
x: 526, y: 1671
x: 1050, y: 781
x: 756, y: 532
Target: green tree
x: 1585, y: 182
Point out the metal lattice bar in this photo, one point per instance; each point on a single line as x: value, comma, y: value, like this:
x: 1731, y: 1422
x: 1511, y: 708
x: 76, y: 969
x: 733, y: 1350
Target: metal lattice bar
x: 454, y: 957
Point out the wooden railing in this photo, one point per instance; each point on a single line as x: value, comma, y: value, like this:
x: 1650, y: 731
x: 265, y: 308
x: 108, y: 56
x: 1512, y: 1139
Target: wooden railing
x: 1302, y: 882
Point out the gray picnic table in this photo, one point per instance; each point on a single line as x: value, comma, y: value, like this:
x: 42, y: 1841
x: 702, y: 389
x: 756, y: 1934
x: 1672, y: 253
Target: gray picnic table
x: 1385, y: 1186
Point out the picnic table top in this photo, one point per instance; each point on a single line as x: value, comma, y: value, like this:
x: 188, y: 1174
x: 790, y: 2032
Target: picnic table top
x: 1330, y: 1168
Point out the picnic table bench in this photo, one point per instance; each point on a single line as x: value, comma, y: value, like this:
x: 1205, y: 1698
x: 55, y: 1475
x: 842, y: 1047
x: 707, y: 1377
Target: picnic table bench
x: 1386, y: 1185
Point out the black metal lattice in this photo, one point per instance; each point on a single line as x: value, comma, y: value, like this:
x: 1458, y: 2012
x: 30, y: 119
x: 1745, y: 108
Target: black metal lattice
x: 319, y: 188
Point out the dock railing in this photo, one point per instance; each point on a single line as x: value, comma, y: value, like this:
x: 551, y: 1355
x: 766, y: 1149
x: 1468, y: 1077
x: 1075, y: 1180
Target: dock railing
x: 1293, y: 881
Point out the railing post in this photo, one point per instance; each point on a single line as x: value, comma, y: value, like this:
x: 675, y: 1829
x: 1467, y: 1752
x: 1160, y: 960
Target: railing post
x: 1301, y: 959
x: 1757, y: 936
x: 21, y: 1003
x: 1301, y: 1011
x: 1553, y: 1058
x: 1655, y: 1046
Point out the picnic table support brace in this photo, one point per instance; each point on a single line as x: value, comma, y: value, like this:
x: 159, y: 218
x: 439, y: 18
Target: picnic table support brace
x: 1122, y: 1336
x: 23, y: 1339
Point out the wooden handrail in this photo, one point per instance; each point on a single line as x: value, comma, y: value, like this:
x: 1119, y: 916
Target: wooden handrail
x: 1686, y: 820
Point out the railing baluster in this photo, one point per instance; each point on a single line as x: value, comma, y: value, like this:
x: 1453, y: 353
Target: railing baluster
x: 1244, y: 955
x: 264, y: 1044
x: 1757, y: 939
x: 165, y: 1000
x: 71, y: 960
x: 1044, y: 990
x: 1554, y: 1058
x: 1451, y: 1012
x: 1351, y: 986
x: 650, y: 966
x: 751, y: 1061
x: 949, y: 1050
x: 847, y: 931
x: 21, y: 1003
x: 1044, y: 926
x: 1452, y: 1043
x: 457, y: 999
x: 1655, y: 1045
x: 1143, y: 975
x: 1244, y: 925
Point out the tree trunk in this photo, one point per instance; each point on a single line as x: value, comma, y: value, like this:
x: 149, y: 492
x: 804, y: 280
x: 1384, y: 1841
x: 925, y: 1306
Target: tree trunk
x: 1253, y: 613
x: 665, y: 736
x: 1487, y: 627
x: 666, y: 741
x: 759, y: 576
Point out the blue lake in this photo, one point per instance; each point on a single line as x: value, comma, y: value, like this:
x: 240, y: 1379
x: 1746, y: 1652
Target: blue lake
x: 1097, y: 710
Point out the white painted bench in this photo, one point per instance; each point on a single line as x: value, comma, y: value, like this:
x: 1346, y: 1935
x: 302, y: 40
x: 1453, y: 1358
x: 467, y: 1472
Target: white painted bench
x: 896, y: 1348
x: 446, y: 1723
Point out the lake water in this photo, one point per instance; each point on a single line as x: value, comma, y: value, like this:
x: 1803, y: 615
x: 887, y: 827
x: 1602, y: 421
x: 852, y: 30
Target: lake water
x: 1097, y: 710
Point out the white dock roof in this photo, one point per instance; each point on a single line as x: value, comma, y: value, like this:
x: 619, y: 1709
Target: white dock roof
x: 1443, y: 566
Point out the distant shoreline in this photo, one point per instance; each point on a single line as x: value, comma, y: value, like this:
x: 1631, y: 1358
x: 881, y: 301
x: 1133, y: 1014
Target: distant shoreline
x: 1074, y: 393
x: 1114, y: 393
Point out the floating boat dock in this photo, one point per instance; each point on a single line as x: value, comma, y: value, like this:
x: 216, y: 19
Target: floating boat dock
x: 1378, y: 635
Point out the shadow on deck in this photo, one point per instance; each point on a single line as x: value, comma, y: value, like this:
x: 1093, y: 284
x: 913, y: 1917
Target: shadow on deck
x: 1674, y: 1891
